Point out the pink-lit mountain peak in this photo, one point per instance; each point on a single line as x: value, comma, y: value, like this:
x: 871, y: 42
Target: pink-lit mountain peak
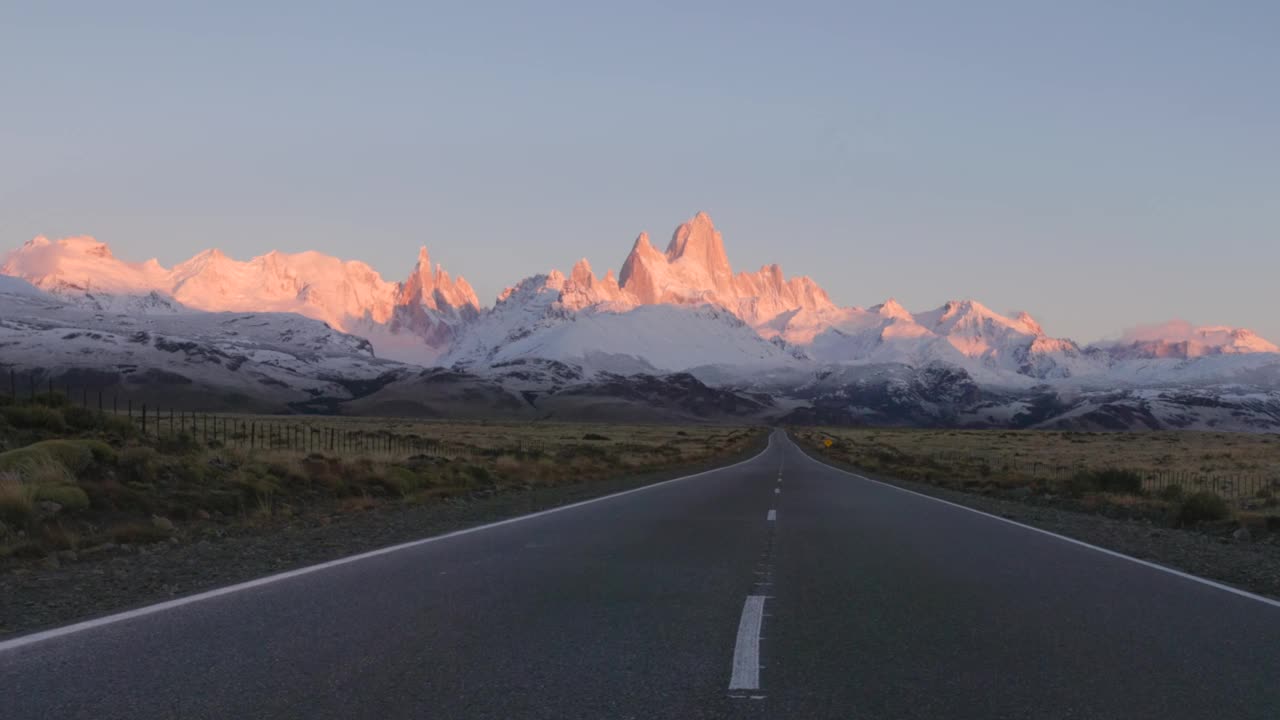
x: 343, y: 293
x: 695, y: 269
x: 82, y: 264
x: 698, y: 243
x: 1181, y: 339
x: 434, y: 288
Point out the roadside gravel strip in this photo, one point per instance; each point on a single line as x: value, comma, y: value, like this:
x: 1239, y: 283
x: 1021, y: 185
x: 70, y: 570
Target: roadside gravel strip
x: 1249, y: 566
x: 37, y: 599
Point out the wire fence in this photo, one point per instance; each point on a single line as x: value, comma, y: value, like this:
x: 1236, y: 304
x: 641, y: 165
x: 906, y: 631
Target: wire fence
x: 304, y: 434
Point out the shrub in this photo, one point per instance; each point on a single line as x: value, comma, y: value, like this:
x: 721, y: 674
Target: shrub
x: 177, y: 444
x: 17, y: 500
x: 1172, y: 493
x: 74, y: 455
x: 34, y: 465
x: 254, y: 484
x: 479, y: 474
x: 1118, y: 481
x: 1203, y: 506
x: 187, y: 470
x: 80, y: 418
x: 138, y: 463
x: 34, y: 417
x: 1125, y: 482
x: 118, y: 426
x: 401, y: 480
x: 102, y: 453
x: 70, y: 497
x: 51, y: 399
x: 16, y: 460
x: 137, y: 533
x: 1079, y: 484
x: 60, y: 538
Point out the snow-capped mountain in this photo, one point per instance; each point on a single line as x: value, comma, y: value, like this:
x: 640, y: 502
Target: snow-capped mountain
x: 1181, y: 340
x: 543, y: 318
x: 348, y: 295
x: 232, y: 361
x: 669, y: 321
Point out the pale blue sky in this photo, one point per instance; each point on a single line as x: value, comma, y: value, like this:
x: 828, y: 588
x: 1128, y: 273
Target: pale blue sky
x: 1098, y: 164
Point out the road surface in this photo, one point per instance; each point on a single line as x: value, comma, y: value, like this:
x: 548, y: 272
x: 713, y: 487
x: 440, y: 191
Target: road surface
x: 774, y: 588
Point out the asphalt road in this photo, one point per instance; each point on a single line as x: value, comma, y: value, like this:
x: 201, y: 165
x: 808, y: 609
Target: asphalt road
x: 852, y: 599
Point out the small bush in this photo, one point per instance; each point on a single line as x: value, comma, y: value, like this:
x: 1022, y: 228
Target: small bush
x: 177, y: 444
x: 103, y: 454
x: 15, y: 460
x: 35, y: 466
x: 1203, y: 506
x: 137, y: 533
x: 17, y: 500
x: 34, y: 417
x: 479, y: 474
x: 190, y: 471
x: 80, y: 418
x: 254, y: 484
x: 594, y: 436
x: 402, y: 480
x: 118, y: 426
x: 1079, y: 484
x: 74, y: 455
x: 70, y: 497
x: 1125, y: 482
x: 58, y: 537
x: 52, y: 399
x: 1172, y: 493
x: 138, y: 463
x: 1118, y: 481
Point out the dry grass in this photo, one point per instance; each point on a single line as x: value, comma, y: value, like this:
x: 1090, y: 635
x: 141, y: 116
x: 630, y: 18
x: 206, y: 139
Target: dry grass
x: 17, y: 499
x: 112, y: 486
x: 1243, y: 468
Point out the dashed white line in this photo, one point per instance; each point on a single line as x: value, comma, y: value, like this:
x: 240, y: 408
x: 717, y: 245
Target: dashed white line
x: 777, y: 491
x: 746, y: 653
x: 772, y: 516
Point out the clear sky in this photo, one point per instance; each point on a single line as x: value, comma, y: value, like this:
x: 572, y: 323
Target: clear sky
x: 1098, y: 164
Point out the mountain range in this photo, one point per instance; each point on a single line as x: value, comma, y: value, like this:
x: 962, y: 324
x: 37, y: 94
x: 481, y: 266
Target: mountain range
x: 755, y: 344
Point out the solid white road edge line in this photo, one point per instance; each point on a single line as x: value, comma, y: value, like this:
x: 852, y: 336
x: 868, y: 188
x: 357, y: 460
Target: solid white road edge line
x: 53, y: 633
x: 746, y: 652
x: 1064, y: 538
x: 772, y: 516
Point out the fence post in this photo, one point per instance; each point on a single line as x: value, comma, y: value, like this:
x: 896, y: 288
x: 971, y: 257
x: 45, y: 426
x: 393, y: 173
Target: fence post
x: 144, y: 419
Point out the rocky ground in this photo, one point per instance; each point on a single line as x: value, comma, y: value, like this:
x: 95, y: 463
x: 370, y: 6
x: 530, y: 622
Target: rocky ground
x: 1222, y: 552
x: 71, y: 586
